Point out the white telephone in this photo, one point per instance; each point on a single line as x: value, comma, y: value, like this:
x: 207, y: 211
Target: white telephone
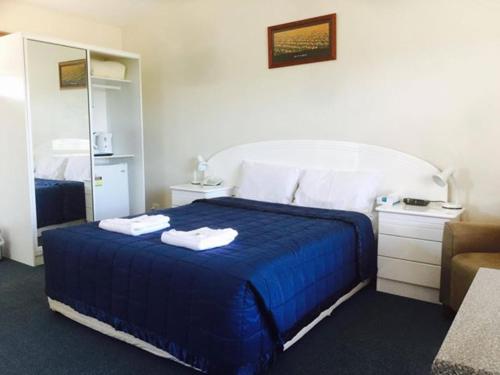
x: 212, y: 181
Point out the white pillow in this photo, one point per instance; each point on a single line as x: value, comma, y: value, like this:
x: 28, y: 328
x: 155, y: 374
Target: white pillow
x: 77, y: 168
x: 267, y: 182
x: 50, y: 167
x: 339, y: 190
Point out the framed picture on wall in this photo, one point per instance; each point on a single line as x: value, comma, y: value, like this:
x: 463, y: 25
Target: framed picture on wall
x: 302, y: 42
x: 73, y: 74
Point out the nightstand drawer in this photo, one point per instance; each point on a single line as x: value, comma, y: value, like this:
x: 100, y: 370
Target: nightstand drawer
x: 410, y: 249
x: 186, y: 194
x: 180, y: 198
x: 409, y: 272
x: 412, y: 226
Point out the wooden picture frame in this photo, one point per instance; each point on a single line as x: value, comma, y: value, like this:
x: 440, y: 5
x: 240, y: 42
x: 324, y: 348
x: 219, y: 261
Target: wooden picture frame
x: 303, y: 42
x: 73, y: 74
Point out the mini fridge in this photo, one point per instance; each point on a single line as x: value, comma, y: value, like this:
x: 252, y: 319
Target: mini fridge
x: 111, y: 196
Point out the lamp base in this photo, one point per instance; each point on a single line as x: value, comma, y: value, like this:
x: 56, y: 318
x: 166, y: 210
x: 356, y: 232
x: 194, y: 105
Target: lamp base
x: 452, y: 206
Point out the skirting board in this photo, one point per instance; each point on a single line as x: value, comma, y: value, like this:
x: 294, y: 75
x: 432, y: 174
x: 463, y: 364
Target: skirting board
x: 108, y: 330
x: 408, y: 290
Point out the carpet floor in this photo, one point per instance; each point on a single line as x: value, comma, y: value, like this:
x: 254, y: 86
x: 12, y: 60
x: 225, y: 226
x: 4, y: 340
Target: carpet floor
x: 372, y: 333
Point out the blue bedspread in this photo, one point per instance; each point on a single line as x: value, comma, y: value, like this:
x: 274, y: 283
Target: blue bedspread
x: 227, y: 310
x: 59, y: 201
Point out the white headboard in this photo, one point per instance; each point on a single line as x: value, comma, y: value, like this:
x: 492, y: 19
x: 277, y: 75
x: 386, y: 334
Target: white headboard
x: 404, y: 174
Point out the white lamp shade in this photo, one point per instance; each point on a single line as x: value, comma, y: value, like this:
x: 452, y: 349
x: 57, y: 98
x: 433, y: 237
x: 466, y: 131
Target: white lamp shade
x: 442, y: 178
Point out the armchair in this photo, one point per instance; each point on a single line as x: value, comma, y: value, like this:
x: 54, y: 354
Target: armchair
x: 466, y: 248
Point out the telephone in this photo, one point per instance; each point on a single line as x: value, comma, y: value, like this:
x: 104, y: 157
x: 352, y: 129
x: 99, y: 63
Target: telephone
x: 212, y: 181
x: 209, y: 181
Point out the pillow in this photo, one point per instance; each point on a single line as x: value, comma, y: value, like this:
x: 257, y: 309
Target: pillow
x: 77, y: 168
x: 339, y: 190
x: 267, y: 182
x: 50, y: 167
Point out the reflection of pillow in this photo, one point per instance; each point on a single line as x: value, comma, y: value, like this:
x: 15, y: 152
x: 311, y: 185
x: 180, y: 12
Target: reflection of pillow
x: 339, y: 190
x: 51, y: 168
x: 267, y: 182
x: 77, y: 168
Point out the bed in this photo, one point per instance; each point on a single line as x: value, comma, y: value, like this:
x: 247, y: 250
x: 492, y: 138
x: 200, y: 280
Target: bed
x: 224, y: 311
x: 59, y: 201
x: 233, y: 309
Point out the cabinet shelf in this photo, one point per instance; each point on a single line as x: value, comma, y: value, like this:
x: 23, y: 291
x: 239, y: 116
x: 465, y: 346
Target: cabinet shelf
x: 110, y: 79
x: 118, y: 156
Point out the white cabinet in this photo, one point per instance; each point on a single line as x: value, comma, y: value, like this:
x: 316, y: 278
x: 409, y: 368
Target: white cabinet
x: 187, y: 193
x: 409, y: 249
x: 47, y: 114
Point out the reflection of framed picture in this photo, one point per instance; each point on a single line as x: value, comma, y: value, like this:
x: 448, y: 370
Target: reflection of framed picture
x: 302, y: 42
x: 73, y: 74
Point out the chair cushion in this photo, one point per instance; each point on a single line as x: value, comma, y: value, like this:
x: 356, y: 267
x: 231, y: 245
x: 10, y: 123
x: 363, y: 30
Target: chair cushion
x: 463, y: 270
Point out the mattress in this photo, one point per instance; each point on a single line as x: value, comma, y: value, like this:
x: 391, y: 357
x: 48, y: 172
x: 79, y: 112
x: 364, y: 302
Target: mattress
x: 59, y: 201
x: 228, y: 310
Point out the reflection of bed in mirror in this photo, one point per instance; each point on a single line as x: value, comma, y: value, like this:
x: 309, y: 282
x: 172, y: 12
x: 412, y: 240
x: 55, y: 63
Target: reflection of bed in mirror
x: 60, y: 190
x: 59, y: 201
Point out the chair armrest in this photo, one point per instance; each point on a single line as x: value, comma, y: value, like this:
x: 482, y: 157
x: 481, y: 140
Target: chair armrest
x: 465, y: 237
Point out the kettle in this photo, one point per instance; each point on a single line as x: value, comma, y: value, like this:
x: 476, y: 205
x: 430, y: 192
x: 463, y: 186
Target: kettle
x: 101, y: 143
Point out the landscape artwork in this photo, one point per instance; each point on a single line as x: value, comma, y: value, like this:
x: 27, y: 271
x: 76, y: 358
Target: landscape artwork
x: 302, y: 42
x: 73, y: 74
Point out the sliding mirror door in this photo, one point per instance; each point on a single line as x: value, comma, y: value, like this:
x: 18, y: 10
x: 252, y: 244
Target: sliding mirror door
x: 58, y: 92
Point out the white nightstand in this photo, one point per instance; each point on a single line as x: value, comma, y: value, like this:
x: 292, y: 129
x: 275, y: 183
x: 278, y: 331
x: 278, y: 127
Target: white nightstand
x: 187, y: 193
x: 409, y: 249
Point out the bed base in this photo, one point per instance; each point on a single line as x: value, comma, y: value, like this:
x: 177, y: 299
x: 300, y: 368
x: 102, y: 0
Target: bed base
x: 108, y: 330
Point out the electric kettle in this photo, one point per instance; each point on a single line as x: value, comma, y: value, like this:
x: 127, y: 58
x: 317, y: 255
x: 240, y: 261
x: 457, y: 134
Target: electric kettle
x: 102, y: 144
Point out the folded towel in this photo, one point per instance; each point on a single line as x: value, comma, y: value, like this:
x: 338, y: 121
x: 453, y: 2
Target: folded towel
x: 199, y: 239
x: 137, y: 225
x: 107, y: 69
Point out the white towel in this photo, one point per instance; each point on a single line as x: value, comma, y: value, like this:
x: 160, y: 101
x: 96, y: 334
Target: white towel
x: 199, y: 239
x: 107, y: 69
x: 137, y: 225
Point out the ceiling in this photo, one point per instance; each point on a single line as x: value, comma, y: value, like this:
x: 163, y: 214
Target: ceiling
x: 112, y: 12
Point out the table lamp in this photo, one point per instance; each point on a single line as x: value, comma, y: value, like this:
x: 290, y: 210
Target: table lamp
x: 442, y: 180
x: 199, y: 172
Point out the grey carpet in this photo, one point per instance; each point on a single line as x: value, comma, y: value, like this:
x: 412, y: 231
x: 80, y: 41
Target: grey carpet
x: 372, y: 333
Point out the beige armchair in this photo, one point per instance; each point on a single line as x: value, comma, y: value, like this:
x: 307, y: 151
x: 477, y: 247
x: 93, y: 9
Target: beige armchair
x: 466, y: 248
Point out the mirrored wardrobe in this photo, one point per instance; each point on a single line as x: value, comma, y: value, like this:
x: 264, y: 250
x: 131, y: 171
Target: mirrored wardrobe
x: 60, y: 140
x: 71, y: 148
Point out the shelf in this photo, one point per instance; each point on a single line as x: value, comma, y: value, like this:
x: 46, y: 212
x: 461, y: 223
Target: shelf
x: 115, y: 156
x: 106, y: 87
x: 111, y: 79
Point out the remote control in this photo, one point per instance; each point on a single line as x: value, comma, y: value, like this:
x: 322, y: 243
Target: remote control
x: 415, y: 202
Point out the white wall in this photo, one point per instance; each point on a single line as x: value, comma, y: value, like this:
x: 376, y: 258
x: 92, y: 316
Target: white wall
x: 16, y: 16
x: 418, y: 76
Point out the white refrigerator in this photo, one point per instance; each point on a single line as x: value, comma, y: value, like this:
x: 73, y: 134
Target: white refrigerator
x: 111, y: 196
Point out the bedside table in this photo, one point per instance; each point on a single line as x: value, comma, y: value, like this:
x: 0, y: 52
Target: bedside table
x: 409, y: 249
x: 187, y: 193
